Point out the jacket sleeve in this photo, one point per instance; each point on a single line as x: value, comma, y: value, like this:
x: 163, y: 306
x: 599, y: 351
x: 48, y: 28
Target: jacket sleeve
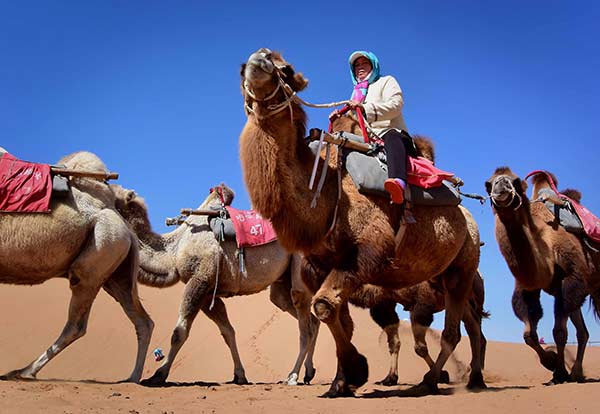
x: 390, y: 104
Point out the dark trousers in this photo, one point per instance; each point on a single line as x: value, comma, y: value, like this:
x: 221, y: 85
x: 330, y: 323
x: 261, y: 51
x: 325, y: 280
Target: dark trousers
x: 397, y: 146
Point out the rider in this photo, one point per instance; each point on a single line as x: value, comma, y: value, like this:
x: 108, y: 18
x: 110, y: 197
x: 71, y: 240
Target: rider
x: 380, y: 99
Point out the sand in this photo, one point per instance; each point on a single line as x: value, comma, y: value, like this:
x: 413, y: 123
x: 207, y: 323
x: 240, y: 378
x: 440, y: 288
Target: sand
x: 84, y: 378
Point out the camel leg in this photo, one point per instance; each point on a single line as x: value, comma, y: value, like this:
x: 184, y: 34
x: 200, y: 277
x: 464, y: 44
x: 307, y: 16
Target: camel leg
x: 384, y: 314
x: 330, y: 304
x: 107, y: 246
x: 82, y: 297
x: 218, y: 315
x: 122, y: 286
x: 297, y: 304
x: 420, y: 321
x: 559, y: 332
x: 527, y: 307
x: 473, y: 328
x: 194, y: 294
x: 456, y: 296
x: 582, y: 338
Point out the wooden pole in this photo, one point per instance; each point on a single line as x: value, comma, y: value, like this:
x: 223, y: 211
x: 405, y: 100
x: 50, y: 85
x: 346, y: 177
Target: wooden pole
x: 83, y: 173
x: 338, y: 139
x: 192, y: 212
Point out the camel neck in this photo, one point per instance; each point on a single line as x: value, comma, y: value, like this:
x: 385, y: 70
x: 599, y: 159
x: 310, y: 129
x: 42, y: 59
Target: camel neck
x: 277, y: 164
x: 522, y: 247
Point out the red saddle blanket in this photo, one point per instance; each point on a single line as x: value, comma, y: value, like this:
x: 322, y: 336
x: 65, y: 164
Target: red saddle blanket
x: 591, y: 223
x: 25, y: 187
x: 250, y: 228
x: 422, y: 173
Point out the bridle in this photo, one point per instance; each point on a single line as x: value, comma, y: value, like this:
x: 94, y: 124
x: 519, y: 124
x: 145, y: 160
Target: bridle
x: 513, y: 194
x: 273, y: 109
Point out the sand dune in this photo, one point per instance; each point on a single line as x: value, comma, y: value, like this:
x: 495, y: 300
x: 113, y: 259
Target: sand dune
x: 83, y: 378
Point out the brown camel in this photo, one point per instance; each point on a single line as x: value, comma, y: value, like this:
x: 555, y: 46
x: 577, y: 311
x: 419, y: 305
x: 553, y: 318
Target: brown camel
x: 543, y: 256
x: 350, y: 239
x: 422, y: 301
x: 83, y: 240
x: 210, y: 269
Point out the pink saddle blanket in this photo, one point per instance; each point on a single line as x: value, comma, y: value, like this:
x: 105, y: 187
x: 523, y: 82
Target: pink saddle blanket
x: 250, y: 228
x: 422, y: 173
x: 25, y: 187
x: 591, y: 223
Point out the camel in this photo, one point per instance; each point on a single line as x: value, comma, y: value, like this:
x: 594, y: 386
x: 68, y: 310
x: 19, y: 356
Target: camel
x: 543, y: 256
x: 83, y: 239
x: 210, y: 269
x: 350, y: 239
x: 422, y: 301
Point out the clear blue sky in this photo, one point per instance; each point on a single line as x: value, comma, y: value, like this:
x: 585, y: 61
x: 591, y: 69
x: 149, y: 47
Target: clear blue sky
x: 152, y: 87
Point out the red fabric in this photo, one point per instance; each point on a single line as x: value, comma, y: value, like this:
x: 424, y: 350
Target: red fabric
x: 24, y: 186
x: 250, y: 228
x: 422, y: 173
x: 591, y: 223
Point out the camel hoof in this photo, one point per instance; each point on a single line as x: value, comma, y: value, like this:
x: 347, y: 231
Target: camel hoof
x: 239, y: 380
x: 560, y: 376
x: 356, y: 369
x: 292, y: 379
x: 156, y: 380
x: 476, y: 382
x: 389, y: 381
x: 309, y: 375
x: 338, y: 389
x: 17, y: 375
x: 444, y: 377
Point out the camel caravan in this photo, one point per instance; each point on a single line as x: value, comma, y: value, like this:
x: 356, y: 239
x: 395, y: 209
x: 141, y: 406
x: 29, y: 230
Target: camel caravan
x: 323, y: 235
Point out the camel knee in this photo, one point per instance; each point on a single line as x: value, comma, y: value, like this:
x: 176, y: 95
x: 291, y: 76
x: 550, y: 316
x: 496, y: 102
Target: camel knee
x: 451, y: 337
x: 325, y: 311
x: 179, y: 336
x: 421, y: 350
x: 560, y: 335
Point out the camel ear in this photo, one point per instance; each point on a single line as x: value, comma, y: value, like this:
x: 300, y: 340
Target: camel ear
x: 488, y: 186
x: 243, y: 70
x: 520, y: 185
x: 300, y: 82
x: 296, y: 80
x: 130, y: 196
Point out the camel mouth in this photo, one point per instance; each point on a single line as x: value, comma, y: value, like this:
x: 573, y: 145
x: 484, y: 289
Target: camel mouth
x: 259, y: 67
x: 501, y: 199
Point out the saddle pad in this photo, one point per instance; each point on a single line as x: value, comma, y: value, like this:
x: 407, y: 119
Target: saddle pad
x: 25, y: 187
x: 222, y: 228
x: 565, y: 215
x: 369, y: 174
x: 250, y: 228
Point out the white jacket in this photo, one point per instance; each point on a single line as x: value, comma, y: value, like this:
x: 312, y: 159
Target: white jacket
x: 383, y: 105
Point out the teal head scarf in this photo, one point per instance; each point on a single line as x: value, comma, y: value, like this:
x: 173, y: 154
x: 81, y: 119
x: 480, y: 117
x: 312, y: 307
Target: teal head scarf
x: 360, y: 88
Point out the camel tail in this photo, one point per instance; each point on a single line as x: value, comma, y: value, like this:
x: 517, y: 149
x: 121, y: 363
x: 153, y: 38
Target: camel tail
x: 595, y: 302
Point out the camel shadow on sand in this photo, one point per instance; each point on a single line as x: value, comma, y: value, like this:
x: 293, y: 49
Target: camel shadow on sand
x: 170, y: 384
x: 419, y: 391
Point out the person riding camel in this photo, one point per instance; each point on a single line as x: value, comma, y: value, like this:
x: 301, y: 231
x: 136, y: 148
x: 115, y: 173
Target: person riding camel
x: 380, y: 100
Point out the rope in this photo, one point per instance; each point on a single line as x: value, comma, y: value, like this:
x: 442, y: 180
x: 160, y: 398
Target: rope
x: 475, y: 196
x: 212, y: 302
x: 325, y: 105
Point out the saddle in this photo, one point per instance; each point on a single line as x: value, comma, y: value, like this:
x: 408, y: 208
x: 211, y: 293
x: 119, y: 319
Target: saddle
x: 246, y: 227
x: 25, y: 187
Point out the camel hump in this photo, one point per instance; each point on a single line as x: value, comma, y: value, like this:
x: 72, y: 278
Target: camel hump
x: 544, y: 179
x: 83, y: 160
x: 572, y: 194
x: 425, y: 147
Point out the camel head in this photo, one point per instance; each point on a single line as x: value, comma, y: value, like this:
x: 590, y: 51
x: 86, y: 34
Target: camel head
x: 132, y: 207
x: 218, y: 197
x: 268, y: 80
x: 506, y: 189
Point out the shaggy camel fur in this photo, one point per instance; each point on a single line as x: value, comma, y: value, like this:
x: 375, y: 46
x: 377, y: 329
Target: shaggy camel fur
x: 543, y: 256
x: 83, y: 240
x: 422, y: 301
x: 349, y: 240
x: 193, y: 255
